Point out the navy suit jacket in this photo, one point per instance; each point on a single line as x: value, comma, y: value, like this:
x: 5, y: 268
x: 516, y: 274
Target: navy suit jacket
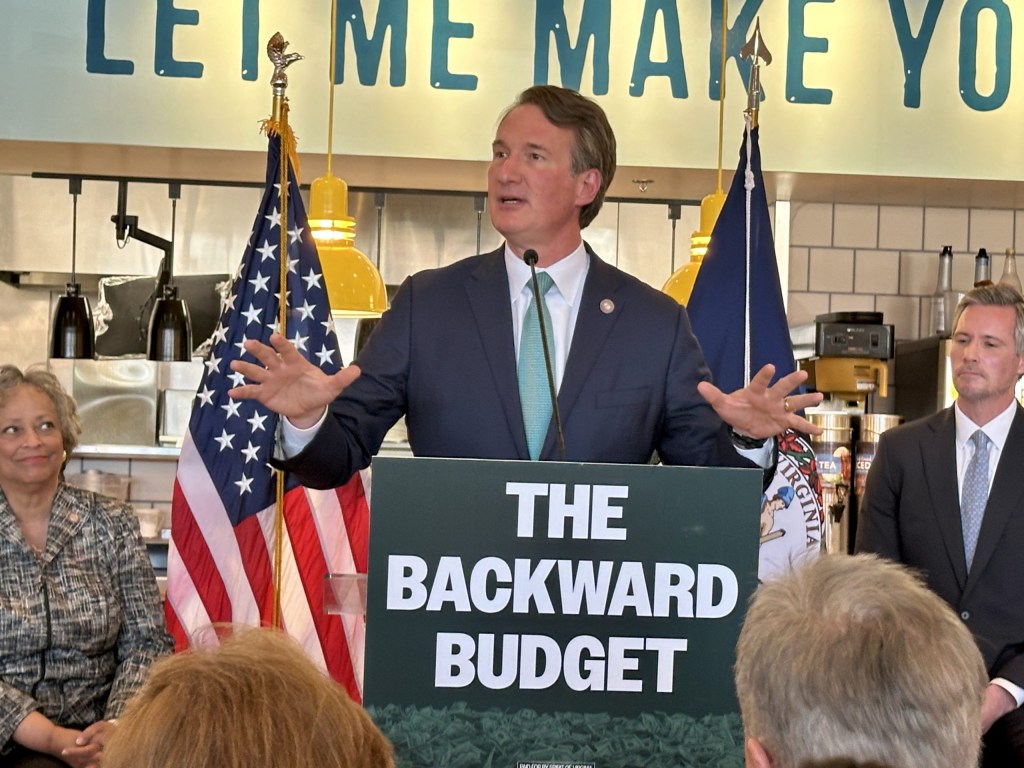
x: 911, y: 513
x: 443, y: 355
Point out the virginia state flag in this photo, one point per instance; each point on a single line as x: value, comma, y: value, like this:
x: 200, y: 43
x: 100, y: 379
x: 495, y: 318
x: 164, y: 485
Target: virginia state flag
x: 734, y: 316
x: 739, y: 318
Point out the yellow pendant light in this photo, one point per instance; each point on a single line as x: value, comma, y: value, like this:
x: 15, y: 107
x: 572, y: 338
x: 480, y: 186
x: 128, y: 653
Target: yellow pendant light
x: 354, y: 285
x: 680, y: 284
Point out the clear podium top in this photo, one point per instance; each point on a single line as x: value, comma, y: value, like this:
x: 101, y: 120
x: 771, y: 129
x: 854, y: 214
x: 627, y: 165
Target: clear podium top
x: 345, y: 593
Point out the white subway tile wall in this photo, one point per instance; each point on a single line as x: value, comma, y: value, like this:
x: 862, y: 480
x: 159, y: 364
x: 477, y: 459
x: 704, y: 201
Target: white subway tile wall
x: 852, y: 302
x: 963, y: 270
x: 875, y: 272
x: 885, y: 258
x: 992, y: 230
x: 152, y: 480
x: 904, y: 313
x: 831, y: 270
x: 855, y: 226
x: 799, y: 264
x: 113, y: 466
x: 919, y: 271
x: 900, y: 227
x: 946, y: 226
x: 804, y: 306
x: 811, y: 224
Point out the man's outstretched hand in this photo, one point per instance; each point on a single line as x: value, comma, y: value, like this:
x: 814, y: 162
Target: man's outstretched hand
x: 763, y: 411
x: 287, y: 383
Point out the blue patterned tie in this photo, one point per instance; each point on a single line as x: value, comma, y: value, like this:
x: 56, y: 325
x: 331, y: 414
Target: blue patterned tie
x: 534, y: 396
x: 975, y: 494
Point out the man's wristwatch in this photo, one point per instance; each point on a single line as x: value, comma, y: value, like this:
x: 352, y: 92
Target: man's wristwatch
x: 745, y: 442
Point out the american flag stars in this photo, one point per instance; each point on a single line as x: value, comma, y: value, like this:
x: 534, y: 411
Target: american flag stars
x: 267, y: 250
x: 231, y: 434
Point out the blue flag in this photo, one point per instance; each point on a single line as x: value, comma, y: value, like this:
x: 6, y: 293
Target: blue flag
x: 719, y: 307
x: 740, y: 321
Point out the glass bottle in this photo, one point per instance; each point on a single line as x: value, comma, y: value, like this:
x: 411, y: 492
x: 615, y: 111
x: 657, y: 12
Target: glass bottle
x: 982, y: 268
x: 940, y: 318
x: 1010, y: 276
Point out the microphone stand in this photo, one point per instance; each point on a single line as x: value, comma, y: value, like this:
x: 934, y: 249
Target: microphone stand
x: 530, y: 257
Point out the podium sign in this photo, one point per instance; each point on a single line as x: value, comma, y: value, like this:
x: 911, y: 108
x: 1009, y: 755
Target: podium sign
x: 557, y: 588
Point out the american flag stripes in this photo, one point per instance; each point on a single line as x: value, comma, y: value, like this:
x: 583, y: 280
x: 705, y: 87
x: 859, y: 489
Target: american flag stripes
x: 221, y: 557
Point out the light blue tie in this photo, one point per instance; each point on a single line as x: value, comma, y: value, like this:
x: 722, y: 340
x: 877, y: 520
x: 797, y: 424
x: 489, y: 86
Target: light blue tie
x: 974, y: 495
x: 534, y: 394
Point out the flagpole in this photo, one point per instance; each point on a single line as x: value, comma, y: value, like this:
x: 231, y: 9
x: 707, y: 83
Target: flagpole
x: 756, y: 51
x: 278, y: 125
x: 721, y: 97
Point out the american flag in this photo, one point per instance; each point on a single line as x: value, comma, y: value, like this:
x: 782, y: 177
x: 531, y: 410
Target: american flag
x: 221, y: 557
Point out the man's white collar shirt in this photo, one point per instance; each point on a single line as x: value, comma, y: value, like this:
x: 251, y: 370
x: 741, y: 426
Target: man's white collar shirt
x: 562, y: 302
x: 996, y: 431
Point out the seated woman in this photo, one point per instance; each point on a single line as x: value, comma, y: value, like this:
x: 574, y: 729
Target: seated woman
x: 80, y: 613
x: 253, y: 701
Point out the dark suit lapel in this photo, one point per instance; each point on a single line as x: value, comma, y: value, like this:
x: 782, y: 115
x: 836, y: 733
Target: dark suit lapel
x: 938, y: 455
x: 487, y: 290
x: 588, y: 338
x: 1003, y: 499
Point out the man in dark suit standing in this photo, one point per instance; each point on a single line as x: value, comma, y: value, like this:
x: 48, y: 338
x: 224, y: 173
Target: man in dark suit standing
x: 629, y: 374
x: 945, y: 494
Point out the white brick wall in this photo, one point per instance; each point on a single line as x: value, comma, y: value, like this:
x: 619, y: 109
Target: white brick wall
x: 885, y: 258
x: 152, y: 479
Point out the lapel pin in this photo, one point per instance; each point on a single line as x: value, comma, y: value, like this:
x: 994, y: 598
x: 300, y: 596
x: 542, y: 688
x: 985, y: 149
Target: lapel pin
x: 73, y: 517
x: 607, y: 306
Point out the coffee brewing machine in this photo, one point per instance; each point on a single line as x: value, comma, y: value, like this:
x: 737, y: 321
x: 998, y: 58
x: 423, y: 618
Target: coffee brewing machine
x: 850, y: 367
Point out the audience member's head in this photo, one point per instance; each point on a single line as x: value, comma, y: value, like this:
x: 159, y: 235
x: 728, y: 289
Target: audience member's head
x: 854, y: 658
x: 254, y: 701
x: 13, y: 378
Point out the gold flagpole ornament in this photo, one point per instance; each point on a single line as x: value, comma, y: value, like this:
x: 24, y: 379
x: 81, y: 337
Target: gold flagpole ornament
x: 277, y: 125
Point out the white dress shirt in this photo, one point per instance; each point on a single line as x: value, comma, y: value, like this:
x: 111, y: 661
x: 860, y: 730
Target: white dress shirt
x: 562, y: 301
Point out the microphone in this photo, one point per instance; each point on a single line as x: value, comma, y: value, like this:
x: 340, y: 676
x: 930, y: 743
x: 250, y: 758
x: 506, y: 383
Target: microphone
x: 530, y: 257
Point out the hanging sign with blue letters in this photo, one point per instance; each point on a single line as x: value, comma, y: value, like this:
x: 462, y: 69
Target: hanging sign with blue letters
x: 886, y: 87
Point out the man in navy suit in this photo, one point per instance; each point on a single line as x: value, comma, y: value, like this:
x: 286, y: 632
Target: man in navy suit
x: 629, y: 374
x: 917, y: 503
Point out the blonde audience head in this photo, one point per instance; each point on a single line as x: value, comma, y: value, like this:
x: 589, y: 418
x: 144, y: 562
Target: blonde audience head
x: 253, y: 701
x: 854, y: 657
